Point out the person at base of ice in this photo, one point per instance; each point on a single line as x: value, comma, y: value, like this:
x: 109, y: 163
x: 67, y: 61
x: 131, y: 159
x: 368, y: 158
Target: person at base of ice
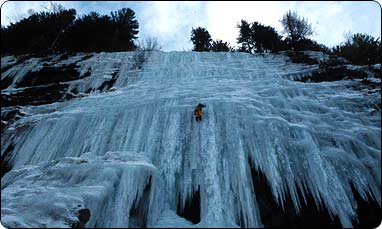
x: 198, y: 112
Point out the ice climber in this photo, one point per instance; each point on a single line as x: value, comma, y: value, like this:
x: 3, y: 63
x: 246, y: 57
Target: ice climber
x: 198, y: 112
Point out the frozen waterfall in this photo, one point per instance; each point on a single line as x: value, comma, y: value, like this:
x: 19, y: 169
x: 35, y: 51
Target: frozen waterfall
x: 131, y: 155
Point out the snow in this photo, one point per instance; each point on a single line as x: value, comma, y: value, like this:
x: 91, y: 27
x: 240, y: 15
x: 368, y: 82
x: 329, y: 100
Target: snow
x: 318, y: 56
x: 319, y: 136
x: 169, y: 219
x: 50, y: 193
x: 18, y: 72
x: 7, y: 61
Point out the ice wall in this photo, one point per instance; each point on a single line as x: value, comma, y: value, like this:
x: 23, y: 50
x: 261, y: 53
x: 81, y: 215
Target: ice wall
x: 316, y: 136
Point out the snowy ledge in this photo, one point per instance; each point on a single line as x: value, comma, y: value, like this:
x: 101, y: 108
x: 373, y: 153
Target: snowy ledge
x: 50, y: 194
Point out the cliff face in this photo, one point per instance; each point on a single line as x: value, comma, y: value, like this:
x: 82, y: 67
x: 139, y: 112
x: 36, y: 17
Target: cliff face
x: 115, y: 133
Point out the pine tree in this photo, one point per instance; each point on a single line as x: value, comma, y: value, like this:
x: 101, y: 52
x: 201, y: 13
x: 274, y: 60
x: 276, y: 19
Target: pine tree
x: 265, y: 38
x: 245, y: 37
x: 201, y: 39
x: 126, y: 29
x: 59, y: 30
x: 37, y: 33
x: 256, y: 37
x: 360, y: 49
x: 220, y: 46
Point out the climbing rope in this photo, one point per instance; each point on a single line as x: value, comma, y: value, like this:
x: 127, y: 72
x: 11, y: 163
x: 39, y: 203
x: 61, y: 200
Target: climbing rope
x: 204, y: 186
x: 205, y: 207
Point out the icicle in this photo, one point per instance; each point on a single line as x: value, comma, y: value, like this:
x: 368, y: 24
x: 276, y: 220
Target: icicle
x: 310, y: 137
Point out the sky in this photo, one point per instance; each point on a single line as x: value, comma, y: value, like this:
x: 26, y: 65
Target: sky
x: 171, y: 22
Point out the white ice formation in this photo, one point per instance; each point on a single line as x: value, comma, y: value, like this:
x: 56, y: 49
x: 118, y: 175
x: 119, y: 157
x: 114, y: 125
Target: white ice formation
x: 100, y: 151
